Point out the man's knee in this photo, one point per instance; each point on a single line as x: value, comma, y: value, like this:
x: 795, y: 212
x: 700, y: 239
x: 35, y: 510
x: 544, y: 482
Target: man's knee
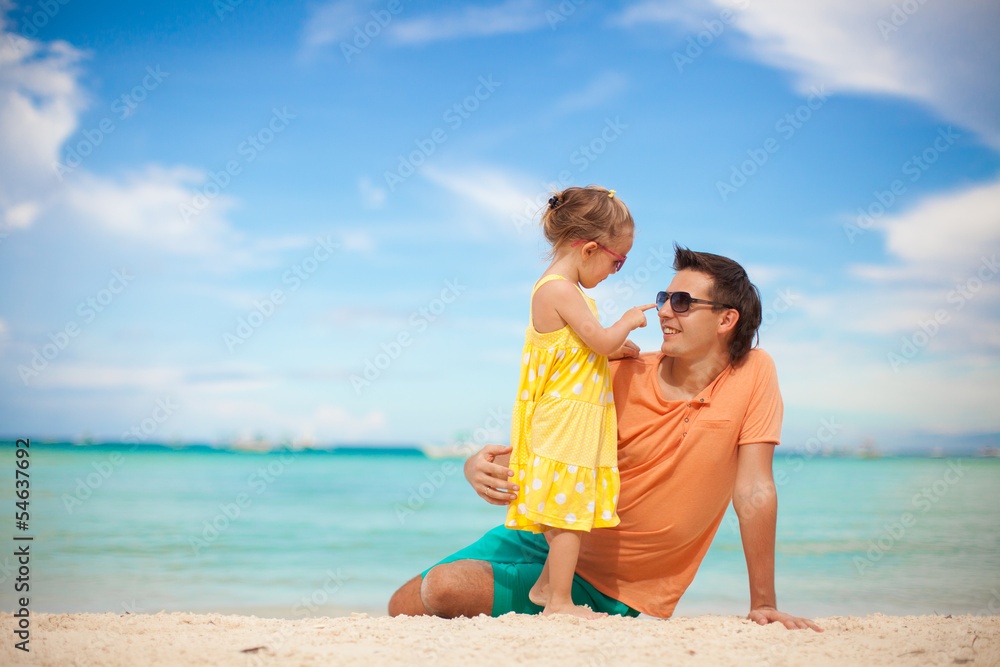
x: 460, y: 588
x: 406, y: 601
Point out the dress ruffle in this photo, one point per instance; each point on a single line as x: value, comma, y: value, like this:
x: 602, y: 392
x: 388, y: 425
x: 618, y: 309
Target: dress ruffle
x: 553, y: 494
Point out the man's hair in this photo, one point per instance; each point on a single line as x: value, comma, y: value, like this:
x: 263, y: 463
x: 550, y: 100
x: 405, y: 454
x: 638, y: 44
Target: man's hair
x: 732, y: 286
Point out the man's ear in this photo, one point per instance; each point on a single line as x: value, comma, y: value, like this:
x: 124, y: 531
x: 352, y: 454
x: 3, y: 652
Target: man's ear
x: 728, y: 321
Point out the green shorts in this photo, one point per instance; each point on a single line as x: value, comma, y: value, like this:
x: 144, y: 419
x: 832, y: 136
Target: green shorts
x: 517, y: 557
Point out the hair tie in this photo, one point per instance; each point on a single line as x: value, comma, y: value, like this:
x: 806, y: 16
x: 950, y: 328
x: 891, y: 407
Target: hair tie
x: 611, y: 194
x: 553, y: 201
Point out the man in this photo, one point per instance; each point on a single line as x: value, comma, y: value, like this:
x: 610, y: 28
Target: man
x: 697, y: 427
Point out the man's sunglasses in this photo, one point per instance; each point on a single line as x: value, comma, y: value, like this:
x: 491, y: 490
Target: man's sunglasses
x: 680, y: 302
x: 619, y: 259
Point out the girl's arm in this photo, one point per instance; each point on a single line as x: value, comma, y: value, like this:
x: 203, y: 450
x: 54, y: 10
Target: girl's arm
x: 559, y: 303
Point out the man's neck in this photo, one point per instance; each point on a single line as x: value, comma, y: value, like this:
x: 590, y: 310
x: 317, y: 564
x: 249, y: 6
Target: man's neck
x: 683, y: 379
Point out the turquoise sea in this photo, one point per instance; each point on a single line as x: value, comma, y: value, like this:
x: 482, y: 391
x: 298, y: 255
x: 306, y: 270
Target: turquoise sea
x: 319, y: 533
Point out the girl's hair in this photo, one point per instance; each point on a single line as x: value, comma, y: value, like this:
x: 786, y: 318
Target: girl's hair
x: 592, y: 213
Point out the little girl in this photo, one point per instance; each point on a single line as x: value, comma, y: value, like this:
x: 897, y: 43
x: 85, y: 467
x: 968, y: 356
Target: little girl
x: 564, y: 431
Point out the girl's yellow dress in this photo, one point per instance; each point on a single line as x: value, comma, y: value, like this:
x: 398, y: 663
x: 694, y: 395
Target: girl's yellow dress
x: 564, y: 434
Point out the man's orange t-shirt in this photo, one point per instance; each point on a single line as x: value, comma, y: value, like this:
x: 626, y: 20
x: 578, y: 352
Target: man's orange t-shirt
x: 677, y: 461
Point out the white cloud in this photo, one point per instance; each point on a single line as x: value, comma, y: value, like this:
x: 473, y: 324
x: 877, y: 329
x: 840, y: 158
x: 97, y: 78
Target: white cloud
x: 903, y: 338
x: 603, y: 87
x: 660, y: 11
x: 513, y: 16
x: 23, y: 215
x: 331, y: 23
x: 40, y: 100
x: 332, y: 422
x: 948, y: 227
x: 372, y: 195
x: 92, y: 376
x: 834, y: 377
x: 943, y: 54
x: 340, y: 22
x: 145, y: 207
x: 912, y: 342
x: 487, y: 195
x: 40, y: 103
x: 357, y: 241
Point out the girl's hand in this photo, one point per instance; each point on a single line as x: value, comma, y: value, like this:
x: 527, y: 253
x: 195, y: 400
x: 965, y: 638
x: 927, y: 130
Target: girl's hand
x: 488, y: 477
x: 628, y: 350
x: 635, y: 317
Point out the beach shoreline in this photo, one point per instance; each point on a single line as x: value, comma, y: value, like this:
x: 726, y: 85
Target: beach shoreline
x: 216, y: 639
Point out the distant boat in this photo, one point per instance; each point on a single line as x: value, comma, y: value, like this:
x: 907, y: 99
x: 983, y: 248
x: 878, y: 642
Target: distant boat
x: 455, y: 450
x: 868, y: 450
x: 256, y: 444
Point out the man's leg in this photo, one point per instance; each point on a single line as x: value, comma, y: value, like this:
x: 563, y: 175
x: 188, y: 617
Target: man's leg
x: 406, y: 601
x: 459, y: 588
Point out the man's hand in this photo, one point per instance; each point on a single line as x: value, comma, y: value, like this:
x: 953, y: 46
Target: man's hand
x: 487, y: 472
x: 765, y: 615
x: 626, y: 351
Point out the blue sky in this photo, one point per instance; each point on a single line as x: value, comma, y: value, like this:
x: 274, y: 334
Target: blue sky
x: 214, y: 217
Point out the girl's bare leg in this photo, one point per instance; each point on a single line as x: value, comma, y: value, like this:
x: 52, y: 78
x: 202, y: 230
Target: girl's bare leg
x: 564, y: 549
x: 539, y: 593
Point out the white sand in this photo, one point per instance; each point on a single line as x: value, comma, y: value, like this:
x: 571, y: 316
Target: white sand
x: 213, y: 639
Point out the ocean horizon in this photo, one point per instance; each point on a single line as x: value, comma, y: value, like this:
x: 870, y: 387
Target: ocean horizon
x: 300, y: 532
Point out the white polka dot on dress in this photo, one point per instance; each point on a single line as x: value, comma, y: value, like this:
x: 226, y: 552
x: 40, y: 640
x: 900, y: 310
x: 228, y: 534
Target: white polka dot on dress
x: 590, y: 506
x: 578, y: 388
x: 597, y: 377
x: 536, y: 461
x: 560, y: 354
x: 537, y: 484
x: 531, y: 375
x: 555, y: 394
x: 560, y: 498
x: 571, y: 468
x: 590, y: 358
x: 580, y: 487
x: 524, y: 395
x: 522, y: 509
x: 570, y: 518
x: 520, y: 475
x: 541, y: 507
x: 606, y: 515
x: 526, y: 358
x: 574, y: 368
x: 555, y: 475
x: 555, y: 376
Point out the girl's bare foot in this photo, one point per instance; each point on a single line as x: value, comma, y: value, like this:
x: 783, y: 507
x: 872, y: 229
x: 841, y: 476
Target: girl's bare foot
x: 539, y: 594
x: 581, y: 611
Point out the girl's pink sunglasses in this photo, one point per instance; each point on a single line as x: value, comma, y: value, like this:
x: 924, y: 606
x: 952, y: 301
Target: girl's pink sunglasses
x: 619, y: 259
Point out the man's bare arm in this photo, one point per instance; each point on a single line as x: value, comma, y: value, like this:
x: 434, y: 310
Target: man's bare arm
x: 756, y: 503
